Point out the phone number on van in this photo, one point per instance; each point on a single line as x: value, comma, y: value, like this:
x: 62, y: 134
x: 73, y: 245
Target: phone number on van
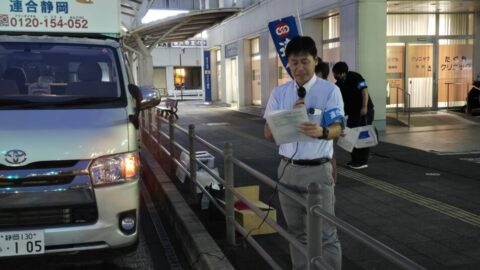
x: 49, y: 23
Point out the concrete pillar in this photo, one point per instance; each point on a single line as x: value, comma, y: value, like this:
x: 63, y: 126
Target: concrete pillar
x: 372, y: 53
x: 145, y: 64
x: 349, y: 31
x: 243, y: 60
x: 476, y: 45
x: 363, y: 48
x: 272, y: 79
x: 313, y: 28
x: 169, y: 78
x: 224, y: 76
x: 247, y: 78
x: 265, y: 66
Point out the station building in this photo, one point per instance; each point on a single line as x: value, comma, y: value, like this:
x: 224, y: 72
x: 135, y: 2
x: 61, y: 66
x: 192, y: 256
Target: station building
x: 414, y: 55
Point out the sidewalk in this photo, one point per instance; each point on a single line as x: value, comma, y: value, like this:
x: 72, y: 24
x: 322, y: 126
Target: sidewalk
x: 420, y: 194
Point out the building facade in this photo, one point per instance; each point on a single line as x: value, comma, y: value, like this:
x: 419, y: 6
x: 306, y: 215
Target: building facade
x: 417, y: 55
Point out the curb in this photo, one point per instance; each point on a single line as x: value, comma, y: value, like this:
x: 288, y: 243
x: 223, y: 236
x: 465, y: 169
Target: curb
x: 201, y: 250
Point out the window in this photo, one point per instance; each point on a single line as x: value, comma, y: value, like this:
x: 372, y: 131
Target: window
x: 455, y: 24
x: 187, y: 78
x: 410, y: 24
x: 331, y: 28
x: 59, y: 73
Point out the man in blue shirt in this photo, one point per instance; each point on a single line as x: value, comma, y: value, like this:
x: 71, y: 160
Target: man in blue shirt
x: 306, y: 162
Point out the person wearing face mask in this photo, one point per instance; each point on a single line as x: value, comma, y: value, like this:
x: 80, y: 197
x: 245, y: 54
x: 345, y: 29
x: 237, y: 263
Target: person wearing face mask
x: 306, y: 162
x: 358, y: 107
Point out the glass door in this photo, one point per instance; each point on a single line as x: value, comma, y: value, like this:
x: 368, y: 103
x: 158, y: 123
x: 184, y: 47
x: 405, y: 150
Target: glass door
x: 454, y: 71
x: 419, y: 79
x: 395, y: 70
x: 232, y: 81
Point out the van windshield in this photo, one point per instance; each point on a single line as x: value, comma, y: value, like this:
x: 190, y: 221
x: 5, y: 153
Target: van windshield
x: 48, y: 75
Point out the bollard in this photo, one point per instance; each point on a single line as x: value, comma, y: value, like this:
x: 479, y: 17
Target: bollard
x: 171, y: 145
x: 229, y: 199
x: 193, y: 163
x: 314, y: 225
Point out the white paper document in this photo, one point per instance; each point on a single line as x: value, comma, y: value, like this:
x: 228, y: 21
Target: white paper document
x: 284, y: 123
x: 348, y: 141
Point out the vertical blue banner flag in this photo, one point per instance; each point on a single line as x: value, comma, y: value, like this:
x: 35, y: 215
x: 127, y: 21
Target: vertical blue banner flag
x: 282, y: 32
x: 207, y: 74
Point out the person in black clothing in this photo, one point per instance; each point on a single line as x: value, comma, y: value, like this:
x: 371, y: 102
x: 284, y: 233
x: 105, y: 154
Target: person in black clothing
x: 358, y: 107
x: 322, y: 69
x: 473, y: 98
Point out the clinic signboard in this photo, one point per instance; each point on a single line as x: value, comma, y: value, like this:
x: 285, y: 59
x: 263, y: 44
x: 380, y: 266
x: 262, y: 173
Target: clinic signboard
x: 282, y: 31
x: 62, y: 16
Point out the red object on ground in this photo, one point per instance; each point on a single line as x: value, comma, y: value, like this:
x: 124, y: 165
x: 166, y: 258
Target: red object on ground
x: 239, y: 205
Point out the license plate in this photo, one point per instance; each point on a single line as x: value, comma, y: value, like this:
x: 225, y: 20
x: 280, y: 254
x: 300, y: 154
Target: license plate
x: 18, y: 243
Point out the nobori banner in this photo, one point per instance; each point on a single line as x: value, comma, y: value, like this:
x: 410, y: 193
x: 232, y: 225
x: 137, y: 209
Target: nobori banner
x: 63, y: 16
x: 282, y: 32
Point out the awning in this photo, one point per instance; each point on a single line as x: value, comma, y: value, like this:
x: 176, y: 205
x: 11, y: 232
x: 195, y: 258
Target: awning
x: 178, y: 28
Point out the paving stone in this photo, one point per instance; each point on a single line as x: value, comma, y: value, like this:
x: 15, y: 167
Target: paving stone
x: 453, y: 259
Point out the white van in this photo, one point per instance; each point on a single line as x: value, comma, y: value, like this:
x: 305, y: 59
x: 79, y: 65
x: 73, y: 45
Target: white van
x: 69, y: 156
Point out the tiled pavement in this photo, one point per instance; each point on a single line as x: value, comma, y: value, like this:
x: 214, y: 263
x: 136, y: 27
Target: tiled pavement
x: 420, y: 194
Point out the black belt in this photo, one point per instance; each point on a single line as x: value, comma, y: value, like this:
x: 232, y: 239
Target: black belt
x: 307, y: 162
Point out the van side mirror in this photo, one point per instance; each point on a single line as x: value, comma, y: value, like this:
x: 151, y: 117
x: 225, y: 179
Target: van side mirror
x: 151, y: 97
x: 145, y: 96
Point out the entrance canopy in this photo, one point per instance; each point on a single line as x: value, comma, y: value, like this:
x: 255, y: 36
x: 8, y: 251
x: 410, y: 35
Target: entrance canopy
x: 177, y: 28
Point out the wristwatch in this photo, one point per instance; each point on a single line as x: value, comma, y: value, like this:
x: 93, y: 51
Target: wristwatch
x: 325, y: 132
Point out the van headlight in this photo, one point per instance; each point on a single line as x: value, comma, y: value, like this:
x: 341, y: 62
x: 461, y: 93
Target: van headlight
x: 116, y: 169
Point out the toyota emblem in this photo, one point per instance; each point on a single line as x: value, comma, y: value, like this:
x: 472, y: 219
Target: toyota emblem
x: 15, y: 157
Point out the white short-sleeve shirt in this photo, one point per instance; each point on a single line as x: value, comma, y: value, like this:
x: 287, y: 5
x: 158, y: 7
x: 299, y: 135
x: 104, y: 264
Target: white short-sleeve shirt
x: 322, y: 95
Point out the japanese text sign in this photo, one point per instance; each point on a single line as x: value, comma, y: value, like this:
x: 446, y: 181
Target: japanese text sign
x: 63, y: 16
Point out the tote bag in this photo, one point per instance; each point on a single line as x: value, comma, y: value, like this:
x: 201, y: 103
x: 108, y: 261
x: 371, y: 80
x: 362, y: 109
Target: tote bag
x: 367, y: 137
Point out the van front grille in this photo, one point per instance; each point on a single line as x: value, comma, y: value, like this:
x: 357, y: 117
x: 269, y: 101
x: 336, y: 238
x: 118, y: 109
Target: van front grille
x: 36, y: 181
x: 48, y: 217
x: 42, y: 165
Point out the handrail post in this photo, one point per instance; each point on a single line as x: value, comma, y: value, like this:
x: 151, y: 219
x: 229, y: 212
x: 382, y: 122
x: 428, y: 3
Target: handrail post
x: 193, y: 163
x: 314, y: 225
x: 171, y: 146
x: 229, y: 199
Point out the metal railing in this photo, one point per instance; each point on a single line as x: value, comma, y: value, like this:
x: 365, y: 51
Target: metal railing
x: 406, y: 106
x: 152, y: 135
